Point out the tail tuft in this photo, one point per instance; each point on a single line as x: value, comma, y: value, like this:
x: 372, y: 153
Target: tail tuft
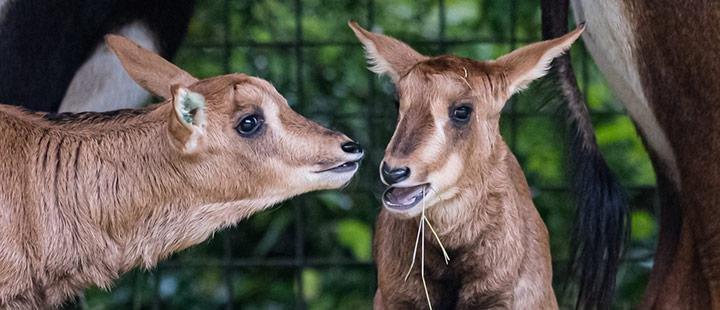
x: 601, y: 222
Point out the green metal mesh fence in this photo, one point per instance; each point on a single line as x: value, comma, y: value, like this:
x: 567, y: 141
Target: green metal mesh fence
x: 315, y: 251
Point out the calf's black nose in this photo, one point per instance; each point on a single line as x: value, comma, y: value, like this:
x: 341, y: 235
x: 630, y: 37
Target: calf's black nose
x: 351, y: 147
x: 394, y: 175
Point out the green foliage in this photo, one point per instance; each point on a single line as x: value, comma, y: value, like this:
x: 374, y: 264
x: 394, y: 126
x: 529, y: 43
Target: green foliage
x: 643, y: 225
x: 330, y: 84
x: 357, y: 236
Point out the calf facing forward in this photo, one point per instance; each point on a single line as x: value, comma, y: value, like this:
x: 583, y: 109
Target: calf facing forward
x: 447, y: 157
x: 84, y: 198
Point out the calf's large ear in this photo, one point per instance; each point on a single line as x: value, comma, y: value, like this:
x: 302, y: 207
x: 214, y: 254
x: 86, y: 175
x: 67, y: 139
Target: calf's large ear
x: 386, y: 55
x: 187, y: 120
x: 148, y: 69
x: 531, y: 62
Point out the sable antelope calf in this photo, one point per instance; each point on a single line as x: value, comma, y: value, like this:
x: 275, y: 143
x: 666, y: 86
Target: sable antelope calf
x: 447, y: 157
x: 86, y: 197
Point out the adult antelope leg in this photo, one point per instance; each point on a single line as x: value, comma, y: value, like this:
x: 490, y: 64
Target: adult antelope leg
x: 656, y: 57
x: 668, y: 240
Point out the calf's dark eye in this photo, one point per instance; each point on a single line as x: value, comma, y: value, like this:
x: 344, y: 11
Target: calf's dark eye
x: 461, y: 114
x: 249, y: 125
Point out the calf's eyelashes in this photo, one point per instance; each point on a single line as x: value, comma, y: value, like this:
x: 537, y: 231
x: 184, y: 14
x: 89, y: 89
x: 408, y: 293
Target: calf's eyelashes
x: 248, y: 126
x: 461, y: 113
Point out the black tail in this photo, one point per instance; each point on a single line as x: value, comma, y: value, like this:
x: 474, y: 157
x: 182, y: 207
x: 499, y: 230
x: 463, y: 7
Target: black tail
x: 601, y: 223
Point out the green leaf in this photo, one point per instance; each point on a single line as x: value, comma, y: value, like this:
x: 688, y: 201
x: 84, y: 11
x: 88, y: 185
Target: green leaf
x: 356, y: 236
x: 312, y: 283
x: 643, y: 225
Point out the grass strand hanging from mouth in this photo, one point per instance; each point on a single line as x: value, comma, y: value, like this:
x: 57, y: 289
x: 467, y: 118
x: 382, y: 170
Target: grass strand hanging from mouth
x: 417, y: 240
x: 421, y: 235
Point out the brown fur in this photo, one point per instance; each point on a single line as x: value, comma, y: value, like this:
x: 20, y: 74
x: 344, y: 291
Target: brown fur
x: 661, y: 59
x: 678, y: 60
x: 86, y: 198
x: 480, y: 202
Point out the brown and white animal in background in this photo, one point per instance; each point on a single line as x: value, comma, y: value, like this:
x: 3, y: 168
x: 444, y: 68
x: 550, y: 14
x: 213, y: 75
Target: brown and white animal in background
x: 662, y: 60
x: 86, y: 197
x: 53, y: 57
x: 447, y: 157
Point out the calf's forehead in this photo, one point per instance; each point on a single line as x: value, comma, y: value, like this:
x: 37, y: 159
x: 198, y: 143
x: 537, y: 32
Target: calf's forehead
x: 420, y: 88
x: 257, y: 89
x: 451, y: 76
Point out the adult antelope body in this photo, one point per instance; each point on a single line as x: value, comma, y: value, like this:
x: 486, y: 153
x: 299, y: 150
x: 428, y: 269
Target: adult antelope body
x: 86, y: 197
x: 447, y: 161
x: 662, y: 60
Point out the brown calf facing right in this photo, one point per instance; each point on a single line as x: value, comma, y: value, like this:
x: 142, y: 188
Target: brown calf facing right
x: 86, y: 197
x: 447, y: 158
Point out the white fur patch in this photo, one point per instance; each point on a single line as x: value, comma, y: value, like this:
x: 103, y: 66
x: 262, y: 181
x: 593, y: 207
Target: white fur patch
x: 101, y: 84
x: 189, y: 101
x: 527, y: 290
x: 376, y: 63
x: 443, y: 182
x: 436, y: 144
x: 272, y: 119
x: 610, y: 40
x: 300, y: 179
x: 3, y: 7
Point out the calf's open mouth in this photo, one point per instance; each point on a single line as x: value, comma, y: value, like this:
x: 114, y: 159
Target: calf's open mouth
x: 347, y: 166
x: 404, y: 198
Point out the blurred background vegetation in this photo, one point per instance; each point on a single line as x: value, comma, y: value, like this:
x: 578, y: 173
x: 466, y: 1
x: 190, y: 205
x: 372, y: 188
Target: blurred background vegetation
x: 315, y: 251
